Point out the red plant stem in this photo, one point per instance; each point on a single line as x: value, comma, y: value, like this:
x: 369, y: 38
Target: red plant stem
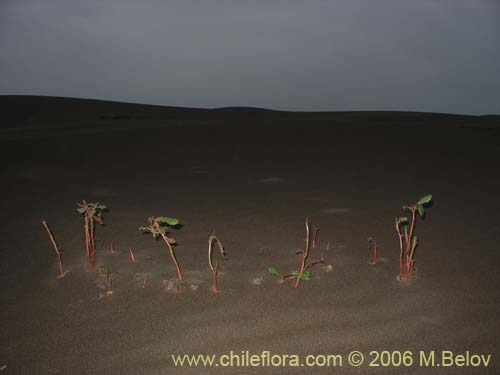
x: 87, y: 239
x: 214, y: 277
x: 410, y: 266
x: 304, y: 257
x: 210, y: 263
x: 61, y: 271
x: 286, y: 277
x: 314, y: 237
x: 320, y: 261
x: 174, y: 259
x: 213, y: 268
x: 400, y: 235
x: 374, y: 255
x: 406, y: 235
x: 409, y: 247
x: 92, y: 240
x: 92, y: 244
x: 131, y: 255
x: 408, y: 269
x: 56, y: 248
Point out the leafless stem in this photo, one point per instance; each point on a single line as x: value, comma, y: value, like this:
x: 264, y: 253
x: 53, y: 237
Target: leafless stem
x: 315, y: 235
x: 92, y: 243
x: 213, y: 268
x: 174, y: 259
x: 372, y: 248
x: 319, y: 261
x: 56, y: 248
x: 87, y: 238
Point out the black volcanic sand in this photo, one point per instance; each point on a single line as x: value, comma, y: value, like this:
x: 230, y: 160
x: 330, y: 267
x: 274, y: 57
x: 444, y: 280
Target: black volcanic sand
x: 252, y: 176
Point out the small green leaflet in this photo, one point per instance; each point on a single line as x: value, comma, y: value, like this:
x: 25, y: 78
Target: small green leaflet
x: 81, y: 210
x: 306, y: 275
x: 425, y: 199
x: 421, y: 210
x: 401, y: 220
x: 167, y: 220
x: 414, y: 241
x: 273, y: 271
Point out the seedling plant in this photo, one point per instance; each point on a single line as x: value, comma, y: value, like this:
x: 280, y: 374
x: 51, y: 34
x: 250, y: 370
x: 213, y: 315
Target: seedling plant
x: 157, y: 226
x: 408, y: 240
x: 56, y: 248
x: 213, y: 267
x: 304, y: 272
x: 92, y: 213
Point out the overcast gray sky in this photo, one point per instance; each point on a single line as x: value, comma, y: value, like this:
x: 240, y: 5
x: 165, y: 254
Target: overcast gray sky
x: 419, y: 55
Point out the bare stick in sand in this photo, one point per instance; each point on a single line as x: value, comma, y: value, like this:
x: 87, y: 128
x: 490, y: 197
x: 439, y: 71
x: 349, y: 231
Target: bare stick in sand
x: 157, y: 226
x: 213, y: 268
x: 372, y: 248
x: 131, y: 254
x: 315, y: 235
x: 56, y: 248
x: 319, y: 261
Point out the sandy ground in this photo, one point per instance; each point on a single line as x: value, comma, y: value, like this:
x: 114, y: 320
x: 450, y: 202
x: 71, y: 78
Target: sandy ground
x: 252, y: 177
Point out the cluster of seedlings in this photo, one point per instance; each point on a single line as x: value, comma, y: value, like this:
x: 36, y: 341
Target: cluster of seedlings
x: 408, y: 240
x: 158, y: 228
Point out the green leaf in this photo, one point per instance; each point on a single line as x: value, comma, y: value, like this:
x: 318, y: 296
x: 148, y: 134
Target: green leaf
x: 81, y: 210
x: 172, y: 221
x: 402, y: 220
x: 425, y: 199
x: 162, y: 230
x: 306, y: 275
x: 421, y: 210
x: 167, y: 220
x: 273, y: 271
x: 405, y: 208
x: 414, y: 241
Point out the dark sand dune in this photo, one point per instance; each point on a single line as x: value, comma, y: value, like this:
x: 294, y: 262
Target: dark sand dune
x: 252, y: 176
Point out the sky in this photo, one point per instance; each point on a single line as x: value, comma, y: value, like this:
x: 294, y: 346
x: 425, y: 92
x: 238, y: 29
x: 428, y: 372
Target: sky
x: 346, y: 55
